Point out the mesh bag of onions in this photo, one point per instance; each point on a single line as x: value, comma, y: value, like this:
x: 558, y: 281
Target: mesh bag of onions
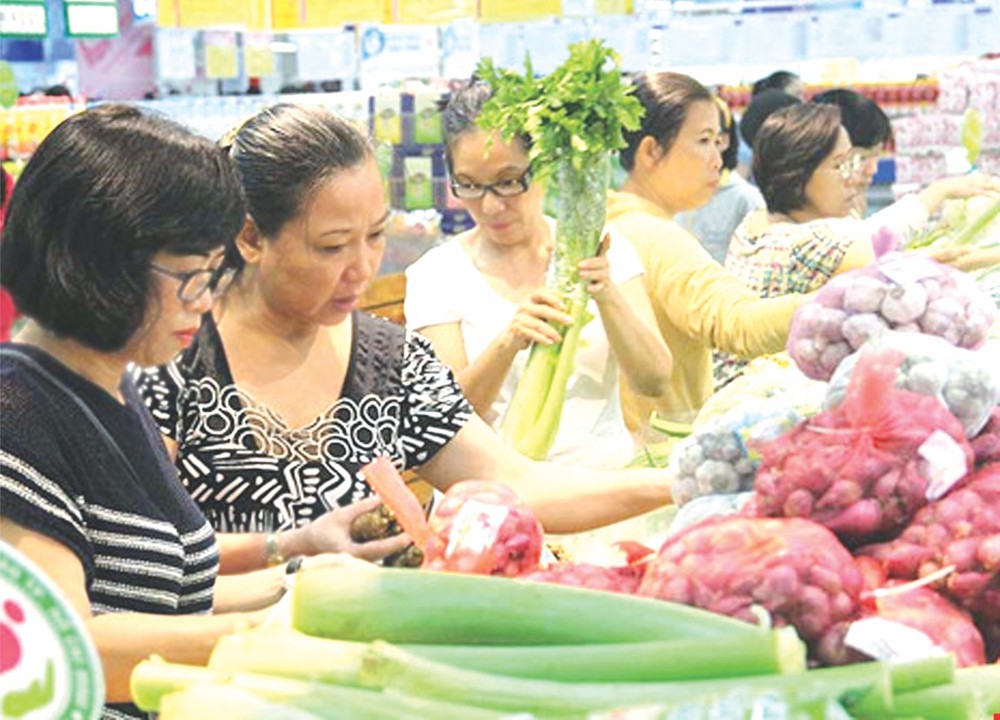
x: 864, y: 468
x: 483, y: 528
x: 795, y: 569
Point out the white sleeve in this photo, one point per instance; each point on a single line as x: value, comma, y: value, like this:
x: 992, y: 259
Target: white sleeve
x: 902, y: 217
x: 430, y: 289
x: 624, y: 260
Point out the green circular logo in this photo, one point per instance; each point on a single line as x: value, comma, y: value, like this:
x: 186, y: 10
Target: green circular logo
x: 48, y: 665
x: 8, y: 85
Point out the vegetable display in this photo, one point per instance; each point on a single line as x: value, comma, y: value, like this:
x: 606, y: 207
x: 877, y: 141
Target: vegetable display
x: 961, y: 532
x: 908, y: 293
x: 795, y: 569
x: 574, y: 117
x: 719, y: 458
x: 864, y: 468
x: 966, y: 382
x: 484, y: 528
x: 950, y: 628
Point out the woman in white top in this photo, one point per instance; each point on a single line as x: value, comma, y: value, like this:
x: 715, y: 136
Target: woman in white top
x: 481, y: 299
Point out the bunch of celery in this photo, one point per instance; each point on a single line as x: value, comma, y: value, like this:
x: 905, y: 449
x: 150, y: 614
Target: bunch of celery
x: 574, y: 118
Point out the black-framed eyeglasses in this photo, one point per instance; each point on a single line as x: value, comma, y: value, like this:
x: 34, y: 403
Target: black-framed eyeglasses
x: 194, y: 283
x: 510, y: 187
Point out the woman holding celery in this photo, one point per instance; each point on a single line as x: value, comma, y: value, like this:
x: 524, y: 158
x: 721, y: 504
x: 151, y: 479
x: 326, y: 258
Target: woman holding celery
x: 481, y: 298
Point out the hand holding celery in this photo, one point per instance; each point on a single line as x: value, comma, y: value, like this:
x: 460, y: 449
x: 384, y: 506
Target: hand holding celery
x: 574, y: 117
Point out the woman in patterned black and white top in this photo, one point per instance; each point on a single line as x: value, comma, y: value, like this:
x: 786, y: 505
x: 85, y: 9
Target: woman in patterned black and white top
x: 113, y: 234
x: 288, y: 389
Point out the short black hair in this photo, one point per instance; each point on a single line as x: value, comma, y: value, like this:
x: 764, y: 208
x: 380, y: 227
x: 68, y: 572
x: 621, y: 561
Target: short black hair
x: 666, y: 98
x: 760, y: 108
x: 790, y: 146
x: 864, y: 120
x: 461, y: 108
x: 727, y: 127
x: 282, y: 154
x: 778, y: 80
x: 105, y: 191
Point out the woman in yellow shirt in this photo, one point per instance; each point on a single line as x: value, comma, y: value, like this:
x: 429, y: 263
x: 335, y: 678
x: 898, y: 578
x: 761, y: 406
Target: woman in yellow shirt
x: 673, y: 164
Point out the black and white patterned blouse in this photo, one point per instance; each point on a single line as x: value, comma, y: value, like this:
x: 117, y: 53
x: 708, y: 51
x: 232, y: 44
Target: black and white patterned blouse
x: 143, y: 544
x: 249, y: 472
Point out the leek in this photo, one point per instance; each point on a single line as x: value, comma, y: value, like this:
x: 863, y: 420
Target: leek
x: 427, y: 607
x: 574, y: 118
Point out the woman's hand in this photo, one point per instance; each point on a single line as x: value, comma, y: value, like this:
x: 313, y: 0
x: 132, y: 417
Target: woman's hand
x: 960, y: 186
x: 596, y: 271
x: 534, y: 318
x: 965, y: 257
x: 331, y: 533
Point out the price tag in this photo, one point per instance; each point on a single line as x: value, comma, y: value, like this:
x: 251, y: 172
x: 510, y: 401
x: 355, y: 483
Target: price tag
x: 944, y: 463
x: 886, y: 640
x: 23, y: 20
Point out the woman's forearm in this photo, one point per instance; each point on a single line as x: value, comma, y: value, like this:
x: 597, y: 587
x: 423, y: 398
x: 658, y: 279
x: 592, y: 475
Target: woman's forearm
x: 249, y: 591
x: 646, y: 362
x: 482, y: 378
x: 247, y: 552
x: 123, y: 640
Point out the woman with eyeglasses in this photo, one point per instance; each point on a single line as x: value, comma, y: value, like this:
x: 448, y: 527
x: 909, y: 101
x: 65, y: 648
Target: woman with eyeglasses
x: 111, y: 264
x: 481, y: 299
x: 809, y: 173
x: 288, y: 389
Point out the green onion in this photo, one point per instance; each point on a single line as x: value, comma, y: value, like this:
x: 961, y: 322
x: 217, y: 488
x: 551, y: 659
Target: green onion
x: 402, y: 606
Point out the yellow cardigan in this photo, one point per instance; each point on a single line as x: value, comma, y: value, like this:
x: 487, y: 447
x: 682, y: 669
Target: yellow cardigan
x: 698, y: 304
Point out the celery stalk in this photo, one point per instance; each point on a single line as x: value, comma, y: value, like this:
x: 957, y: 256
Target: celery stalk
x: 923, y: 673
x: 970, y: 232
x: 393, y: 668
x: 770, y: 652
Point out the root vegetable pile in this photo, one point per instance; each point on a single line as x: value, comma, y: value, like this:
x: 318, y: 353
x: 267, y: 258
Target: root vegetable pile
x: 866, y: 467
x: 796, y: 569
x: 908, y: 293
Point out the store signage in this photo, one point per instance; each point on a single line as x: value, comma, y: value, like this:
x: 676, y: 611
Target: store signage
x: 91, y: 18
x: 434, y: 11
x: 48, y: 663
x: 387, y: 48
x: 221, y: 57
x: 509, y: 10
x: 26, y: 18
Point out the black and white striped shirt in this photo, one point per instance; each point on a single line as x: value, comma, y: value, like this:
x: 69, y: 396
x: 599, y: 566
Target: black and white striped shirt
x: 143, y: 543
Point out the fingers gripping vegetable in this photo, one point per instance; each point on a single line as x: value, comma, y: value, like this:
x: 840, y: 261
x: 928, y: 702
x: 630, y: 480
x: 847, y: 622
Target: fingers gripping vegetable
x: 483, y: 528
x: 574, y: 117
x: 796, y: 569
x: 866, y: 467
x: 908, y: 293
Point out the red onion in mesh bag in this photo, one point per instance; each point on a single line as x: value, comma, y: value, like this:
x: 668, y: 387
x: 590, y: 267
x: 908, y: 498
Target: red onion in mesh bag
x: 962, y: 529
x: 986, y: 445
x: 621, y: 579
x: 796, y: 569
x: 483, y: 528
x: 905, y: 292
x: 863, y: 469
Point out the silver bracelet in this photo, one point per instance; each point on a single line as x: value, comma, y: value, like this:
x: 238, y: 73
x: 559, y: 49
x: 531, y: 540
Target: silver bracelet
x: 271, y: 551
